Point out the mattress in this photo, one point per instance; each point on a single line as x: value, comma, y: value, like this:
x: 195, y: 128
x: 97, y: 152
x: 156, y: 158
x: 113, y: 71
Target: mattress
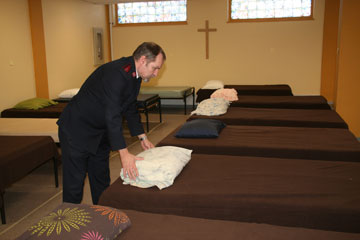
x: 297, y: 102
x: 29, y: 127
x: 279, y: 117
x: 286, y: 192
x: 21, y: 154
x: 151, y: 226
x: 53, y: 111
x: 256, y: 90
x: 268, y: 141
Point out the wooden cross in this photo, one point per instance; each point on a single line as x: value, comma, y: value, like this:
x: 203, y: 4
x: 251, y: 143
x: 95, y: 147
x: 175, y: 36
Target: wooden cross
x: 207, y: 30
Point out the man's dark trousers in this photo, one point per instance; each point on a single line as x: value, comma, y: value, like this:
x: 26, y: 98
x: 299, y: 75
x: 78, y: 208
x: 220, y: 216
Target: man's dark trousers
x: 77, y: 163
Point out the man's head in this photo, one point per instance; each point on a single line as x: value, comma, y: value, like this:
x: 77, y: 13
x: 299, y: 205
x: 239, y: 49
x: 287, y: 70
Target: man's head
x: 149, y: 58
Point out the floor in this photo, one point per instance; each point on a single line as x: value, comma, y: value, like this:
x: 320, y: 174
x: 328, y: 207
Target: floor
x: 35, y: 195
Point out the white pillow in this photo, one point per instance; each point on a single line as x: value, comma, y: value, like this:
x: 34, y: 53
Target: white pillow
x: 161, y: 165
x: 69, y: 93
x: 212, y: 107
x: 213, y: 84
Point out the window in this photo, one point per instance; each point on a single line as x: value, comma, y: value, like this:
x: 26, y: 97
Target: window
x: 156, y: 12
x: 270, y: 10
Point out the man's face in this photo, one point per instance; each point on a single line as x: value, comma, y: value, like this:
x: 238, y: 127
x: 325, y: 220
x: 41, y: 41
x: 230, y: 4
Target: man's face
x: 149, y: 69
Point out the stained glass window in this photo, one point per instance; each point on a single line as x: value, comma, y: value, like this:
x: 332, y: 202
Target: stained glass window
x: 270, y: 9
x: 151, y: 12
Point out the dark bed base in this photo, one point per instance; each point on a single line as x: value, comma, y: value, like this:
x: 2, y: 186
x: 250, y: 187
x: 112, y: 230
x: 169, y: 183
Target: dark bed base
x: 330, y: 144
x: 289, y: 102
x: 53, y: 111
x: 151, y: 226
x: 286, y: 192
x: 145, y: 102
x: 21, y: 154
x: 256, y: 90
x: 279, y: 117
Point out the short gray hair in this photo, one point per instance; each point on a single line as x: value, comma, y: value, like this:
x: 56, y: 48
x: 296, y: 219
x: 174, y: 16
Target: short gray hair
x: 150, y: 50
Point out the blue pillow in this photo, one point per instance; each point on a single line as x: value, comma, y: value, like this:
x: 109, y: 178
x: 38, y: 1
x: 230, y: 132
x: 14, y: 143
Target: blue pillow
x: 201, y: 128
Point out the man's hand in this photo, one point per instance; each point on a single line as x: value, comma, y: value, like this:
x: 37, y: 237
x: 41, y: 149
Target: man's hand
x: 128, y: 163
x: 145, y: 143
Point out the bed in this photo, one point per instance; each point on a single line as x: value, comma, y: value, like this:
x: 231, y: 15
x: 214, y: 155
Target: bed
x: 294, y: 102
x: 53, y: 111
x: 173, y: 92
x: 29, y: 127
x: 145, y: 102
x: 286, y: 192
x: 257, y: 90
x: 334, y: 144
x: 164, y: 227
x: 21, y: 154
x: 279, y: 117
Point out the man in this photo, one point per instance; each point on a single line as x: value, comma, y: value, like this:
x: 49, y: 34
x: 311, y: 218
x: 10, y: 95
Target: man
x: 91, y: 124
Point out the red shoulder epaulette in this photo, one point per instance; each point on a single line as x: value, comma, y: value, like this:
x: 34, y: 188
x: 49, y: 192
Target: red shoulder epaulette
x: 127, y: 68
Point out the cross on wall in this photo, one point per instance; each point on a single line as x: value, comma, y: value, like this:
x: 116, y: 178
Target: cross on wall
x: 207, y: 30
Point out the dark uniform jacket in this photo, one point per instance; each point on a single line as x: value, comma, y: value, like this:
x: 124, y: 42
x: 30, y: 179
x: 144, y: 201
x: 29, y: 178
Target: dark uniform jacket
x: 96, y: 113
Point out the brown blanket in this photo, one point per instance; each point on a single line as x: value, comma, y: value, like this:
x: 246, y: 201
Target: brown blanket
x: 287, y: 192
x: 151, y: 226
x: 256, y: 90
x: 334, y: 144
x: 299, y: 102
x: 279, y: 117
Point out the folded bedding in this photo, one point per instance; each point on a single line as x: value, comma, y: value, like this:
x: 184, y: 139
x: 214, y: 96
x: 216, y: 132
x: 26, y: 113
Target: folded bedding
x: 229, y: 94
x: 286, y: 192
x: 278, y: 117
x: 333, y: 144
x: 159, y: 167
x: 212, y: 107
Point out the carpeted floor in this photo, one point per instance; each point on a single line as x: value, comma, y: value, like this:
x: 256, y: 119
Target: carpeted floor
x: 35, y: 195
x: 130, y: 140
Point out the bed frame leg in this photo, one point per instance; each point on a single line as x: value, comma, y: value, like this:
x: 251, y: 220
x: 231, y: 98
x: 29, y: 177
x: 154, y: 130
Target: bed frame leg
x: 147, y: 118
x: 3, y: 218
x: 184, y: 99
x: 159, y: 106
x: 193, y: 95
x: 56, y: 172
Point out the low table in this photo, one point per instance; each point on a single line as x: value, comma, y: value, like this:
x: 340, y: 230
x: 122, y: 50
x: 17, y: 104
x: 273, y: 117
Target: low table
x: 145, y: 102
